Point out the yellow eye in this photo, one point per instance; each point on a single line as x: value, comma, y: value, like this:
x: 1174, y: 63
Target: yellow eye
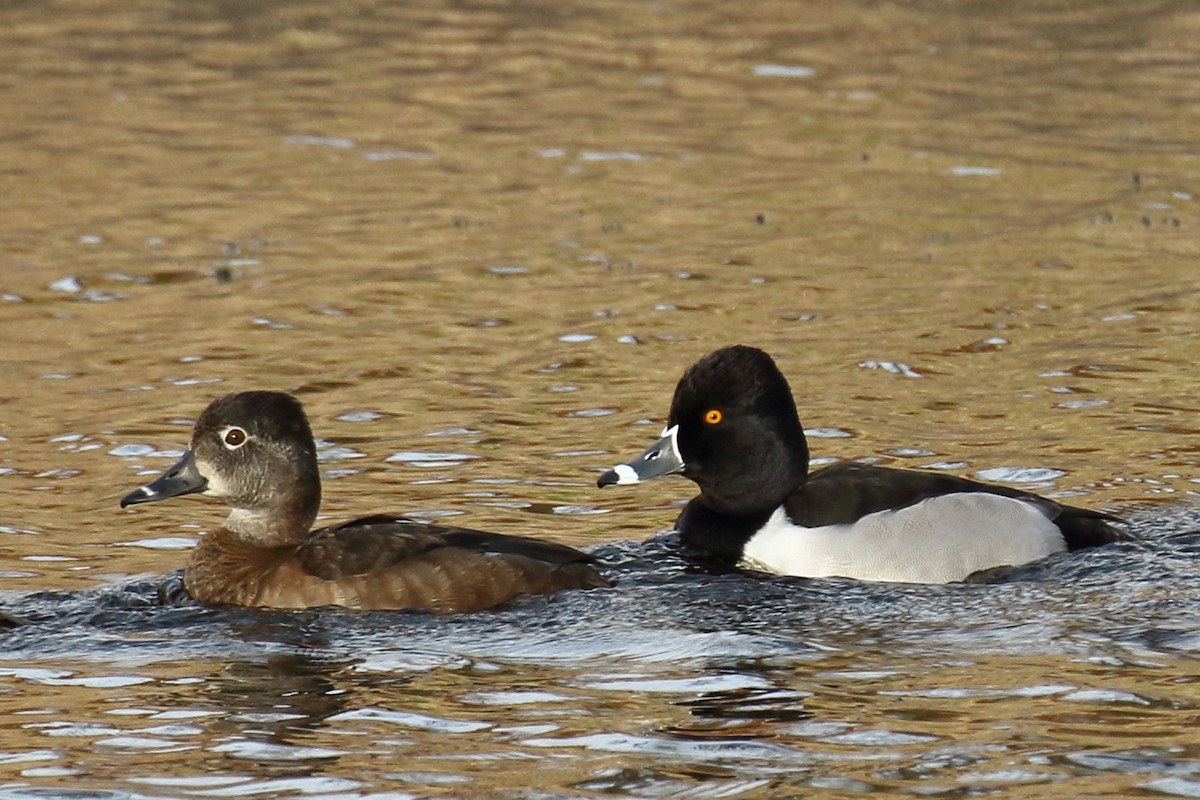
x: 713, y: 416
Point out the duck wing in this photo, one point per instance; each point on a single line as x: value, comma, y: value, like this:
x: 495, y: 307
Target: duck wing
x: 843, y: 493
x: 379, y: 543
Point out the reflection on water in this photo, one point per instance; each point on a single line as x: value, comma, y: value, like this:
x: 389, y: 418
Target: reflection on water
x: 481, y: 242
x: 1077, y: 670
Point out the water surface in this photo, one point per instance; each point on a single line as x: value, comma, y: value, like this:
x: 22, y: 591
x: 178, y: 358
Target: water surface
x: 481, y: 241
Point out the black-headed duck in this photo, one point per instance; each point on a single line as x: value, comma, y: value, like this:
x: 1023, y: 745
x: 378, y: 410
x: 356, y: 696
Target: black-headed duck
x: 733, y: 429
x: 255, y: 452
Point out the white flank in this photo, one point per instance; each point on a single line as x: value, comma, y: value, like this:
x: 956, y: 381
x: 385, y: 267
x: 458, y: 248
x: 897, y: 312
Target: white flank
x: 938, y: 540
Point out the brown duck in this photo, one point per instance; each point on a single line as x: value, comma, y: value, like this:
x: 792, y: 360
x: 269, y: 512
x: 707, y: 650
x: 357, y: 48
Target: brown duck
x: 255, y: 452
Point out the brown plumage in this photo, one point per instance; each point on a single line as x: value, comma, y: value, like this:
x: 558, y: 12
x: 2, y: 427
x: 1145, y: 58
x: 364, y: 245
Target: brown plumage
x: 255, y: 451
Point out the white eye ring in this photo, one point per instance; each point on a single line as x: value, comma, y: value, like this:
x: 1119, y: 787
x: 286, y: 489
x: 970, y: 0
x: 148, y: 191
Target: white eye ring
x: 234, y: 437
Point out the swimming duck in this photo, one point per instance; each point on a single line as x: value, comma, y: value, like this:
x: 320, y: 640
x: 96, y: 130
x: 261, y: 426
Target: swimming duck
x: 733, y: 429
x: 255, y: 452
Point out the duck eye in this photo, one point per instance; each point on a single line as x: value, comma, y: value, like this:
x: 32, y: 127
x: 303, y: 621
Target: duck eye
x: 234, y: 438
x: 713, y: 416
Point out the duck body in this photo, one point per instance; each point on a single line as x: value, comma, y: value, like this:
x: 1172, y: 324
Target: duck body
x: 873, y: 523
x: 733, y: 429
x: 384, y: 563
x: 255, y: 451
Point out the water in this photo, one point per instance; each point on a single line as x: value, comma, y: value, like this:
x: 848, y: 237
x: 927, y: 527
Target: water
x: 481, y: 242
x: 676, y: 681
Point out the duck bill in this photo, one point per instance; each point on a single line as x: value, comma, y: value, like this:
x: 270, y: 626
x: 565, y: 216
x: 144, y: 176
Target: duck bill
x: 660, y: 458
x: 183, y: 478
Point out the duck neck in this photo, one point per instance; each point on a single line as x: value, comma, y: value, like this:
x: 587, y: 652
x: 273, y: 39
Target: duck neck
x: 719, y: 534
x: 284, y: 524
x: 734, y: 503
x: 729, y: 488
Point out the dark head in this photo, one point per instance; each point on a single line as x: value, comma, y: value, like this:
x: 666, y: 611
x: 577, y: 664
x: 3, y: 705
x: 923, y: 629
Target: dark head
x: 733, y: 429
x: 255, y: 452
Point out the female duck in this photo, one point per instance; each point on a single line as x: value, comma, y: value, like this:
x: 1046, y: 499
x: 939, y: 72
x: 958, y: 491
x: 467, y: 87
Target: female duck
x: 733, y: 429
x: 255, y: 452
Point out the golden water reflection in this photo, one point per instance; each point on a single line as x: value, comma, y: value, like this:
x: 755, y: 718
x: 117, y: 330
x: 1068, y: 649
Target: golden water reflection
x: 861, y: 725
x: 481, y: 241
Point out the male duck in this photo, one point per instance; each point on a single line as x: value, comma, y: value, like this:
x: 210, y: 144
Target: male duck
x: 255, y: 451
x: 733, y: 429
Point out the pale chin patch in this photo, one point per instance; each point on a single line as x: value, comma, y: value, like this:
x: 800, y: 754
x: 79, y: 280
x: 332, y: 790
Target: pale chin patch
x: 215, y: 487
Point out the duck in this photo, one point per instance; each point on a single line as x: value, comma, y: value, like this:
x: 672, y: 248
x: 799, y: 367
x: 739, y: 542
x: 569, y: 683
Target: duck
x: 254, y: 451
x: 734, y: 430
